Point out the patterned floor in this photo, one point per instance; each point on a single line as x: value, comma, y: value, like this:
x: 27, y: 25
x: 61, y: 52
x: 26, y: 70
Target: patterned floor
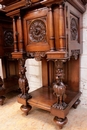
x: 12, y: 118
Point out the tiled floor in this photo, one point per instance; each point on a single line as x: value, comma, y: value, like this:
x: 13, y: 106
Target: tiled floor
x: 12, y: 118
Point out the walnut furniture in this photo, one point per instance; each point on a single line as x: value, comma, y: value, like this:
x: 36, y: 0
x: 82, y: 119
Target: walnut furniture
x: 50, y: 31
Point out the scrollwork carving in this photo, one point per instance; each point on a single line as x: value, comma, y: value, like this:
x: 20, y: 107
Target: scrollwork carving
x: 37, y: 55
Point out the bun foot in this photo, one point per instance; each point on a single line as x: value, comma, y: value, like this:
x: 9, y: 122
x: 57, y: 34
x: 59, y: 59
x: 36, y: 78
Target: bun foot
x: 60, y: 121
x: 26, y: 109
x: 76, y: 104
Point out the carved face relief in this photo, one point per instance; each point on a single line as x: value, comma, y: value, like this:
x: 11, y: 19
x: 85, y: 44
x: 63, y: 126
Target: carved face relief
x: 37, y: 31
x: 74, y: 29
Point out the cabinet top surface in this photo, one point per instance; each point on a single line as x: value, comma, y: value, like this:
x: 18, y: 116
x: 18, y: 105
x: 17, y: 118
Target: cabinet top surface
x: 9, y: 2
x: 11, y: 5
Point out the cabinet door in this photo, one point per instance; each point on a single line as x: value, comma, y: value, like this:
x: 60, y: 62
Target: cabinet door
x: 36, y: 30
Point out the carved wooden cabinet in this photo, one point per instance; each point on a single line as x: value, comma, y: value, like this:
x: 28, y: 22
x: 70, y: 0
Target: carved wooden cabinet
x: 50, y: 31
x: 9, y: 65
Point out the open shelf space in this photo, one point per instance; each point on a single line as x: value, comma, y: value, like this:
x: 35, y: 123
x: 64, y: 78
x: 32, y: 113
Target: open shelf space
x: 44, y: 98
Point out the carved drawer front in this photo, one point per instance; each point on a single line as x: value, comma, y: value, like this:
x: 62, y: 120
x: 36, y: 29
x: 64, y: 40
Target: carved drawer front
x: 36, y: 30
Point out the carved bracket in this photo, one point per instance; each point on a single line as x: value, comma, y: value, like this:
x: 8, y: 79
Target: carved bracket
x: 75, y: 53
x: 37, y: 55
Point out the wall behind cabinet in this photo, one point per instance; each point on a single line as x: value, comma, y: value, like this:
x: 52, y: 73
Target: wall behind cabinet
x: 83, y: 64
x: 34, y: 74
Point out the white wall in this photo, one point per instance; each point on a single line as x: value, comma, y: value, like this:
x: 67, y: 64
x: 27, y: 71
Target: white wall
x: 83, y: 64
x: 34, y: 74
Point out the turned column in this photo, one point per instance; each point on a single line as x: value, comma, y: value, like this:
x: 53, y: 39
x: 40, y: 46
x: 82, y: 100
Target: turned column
x: 62, y: 38
x: 50, y: 29
x: 15, y: 35
x: 56, y: 26
x: 20, y: 35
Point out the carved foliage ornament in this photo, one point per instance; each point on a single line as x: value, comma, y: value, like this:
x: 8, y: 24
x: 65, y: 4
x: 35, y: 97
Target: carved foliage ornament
x: 37, y: 31
x: 37, y: 55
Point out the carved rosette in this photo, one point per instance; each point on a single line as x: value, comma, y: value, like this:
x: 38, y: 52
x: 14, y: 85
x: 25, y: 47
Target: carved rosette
x: 37, y: 31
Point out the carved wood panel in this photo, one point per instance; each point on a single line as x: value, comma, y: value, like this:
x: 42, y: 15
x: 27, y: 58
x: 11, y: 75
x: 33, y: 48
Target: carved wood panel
x: 73, y: 29
x: 74, y: 24
x: 36, y: 30
x: 8, y: 38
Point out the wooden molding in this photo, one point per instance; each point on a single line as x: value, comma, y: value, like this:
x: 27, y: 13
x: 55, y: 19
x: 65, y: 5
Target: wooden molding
x: 78, y: 4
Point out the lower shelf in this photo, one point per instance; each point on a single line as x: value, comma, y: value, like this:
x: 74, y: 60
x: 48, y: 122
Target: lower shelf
x: 43, y: 98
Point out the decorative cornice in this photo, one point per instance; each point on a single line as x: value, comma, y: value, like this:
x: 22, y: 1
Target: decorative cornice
x: 18, y: 4
x: 9, y: 2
